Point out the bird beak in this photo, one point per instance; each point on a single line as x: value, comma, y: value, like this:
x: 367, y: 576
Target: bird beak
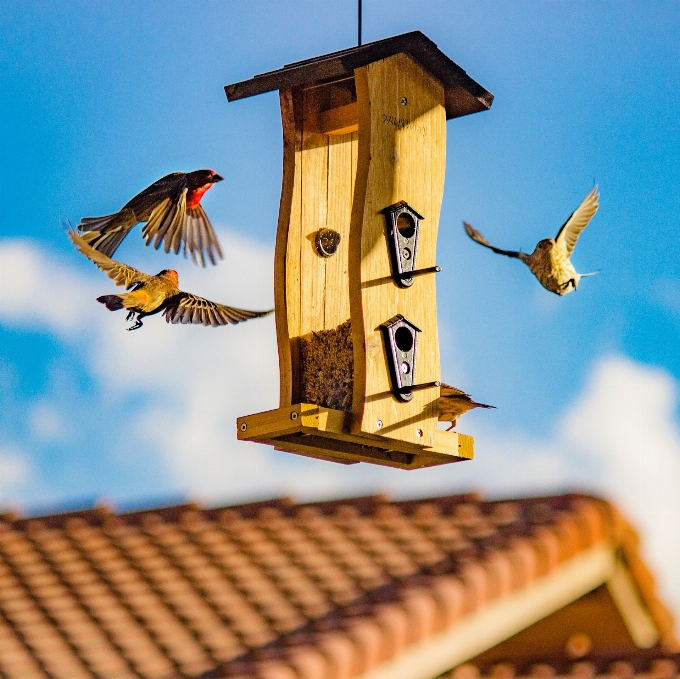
x: 217, y: 178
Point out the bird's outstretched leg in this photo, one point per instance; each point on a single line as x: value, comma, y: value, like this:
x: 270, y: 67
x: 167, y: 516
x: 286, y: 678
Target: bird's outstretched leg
x: 453, y: 424
x: 130, y: 316
x: 138, y: 323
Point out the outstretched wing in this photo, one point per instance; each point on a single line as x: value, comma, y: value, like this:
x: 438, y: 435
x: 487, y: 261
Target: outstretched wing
x: 478, y: 238
x: 166, y: 223
x: 199, y: 236
x: 579, y: 219
x: 448, y: 390
x: 121, y: 274
x: 188, y: 308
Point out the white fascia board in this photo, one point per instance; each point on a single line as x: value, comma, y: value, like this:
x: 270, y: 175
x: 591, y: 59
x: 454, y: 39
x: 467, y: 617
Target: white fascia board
x: 502, y: 618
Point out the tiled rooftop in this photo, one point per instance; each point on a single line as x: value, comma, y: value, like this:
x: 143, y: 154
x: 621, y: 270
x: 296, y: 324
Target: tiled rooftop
x: 626, y: 664
x: 274, y: 589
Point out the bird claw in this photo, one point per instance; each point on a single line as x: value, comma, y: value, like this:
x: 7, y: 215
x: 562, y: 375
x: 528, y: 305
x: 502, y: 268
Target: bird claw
x: 138, y: 324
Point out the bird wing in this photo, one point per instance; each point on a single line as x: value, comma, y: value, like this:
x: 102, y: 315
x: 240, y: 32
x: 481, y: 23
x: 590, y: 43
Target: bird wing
x: 188, y: 308
x: 147, y: 200
x: 166, y: 223
x: 199, y: 236
x: 478, y: 238
x: 121, y: 274
x: 447, y: 390
x: 579, y: 219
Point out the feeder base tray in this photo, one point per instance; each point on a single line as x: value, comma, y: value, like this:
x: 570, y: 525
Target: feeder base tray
x: 323, y: 433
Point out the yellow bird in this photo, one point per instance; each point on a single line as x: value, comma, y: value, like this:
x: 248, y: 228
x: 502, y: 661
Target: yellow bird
x: 454, y: 402
x: 549, y: 261
x: 153, y: 294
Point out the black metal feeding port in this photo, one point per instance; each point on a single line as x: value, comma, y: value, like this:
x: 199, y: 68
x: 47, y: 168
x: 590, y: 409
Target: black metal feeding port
x: 401, y: 338
x: 403, y: 227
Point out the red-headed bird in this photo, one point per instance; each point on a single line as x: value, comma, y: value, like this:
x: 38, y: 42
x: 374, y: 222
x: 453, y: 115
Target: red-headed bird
x: 550, y: 261
x: 153, y: 294
x: 171, y: 208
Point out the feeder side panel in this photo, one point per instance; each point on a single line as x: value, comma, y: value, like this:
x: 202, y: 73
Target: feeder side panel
x: 402, y: 157
x: 341, y: 170
x: 286, y: 269
x: 312, y: 290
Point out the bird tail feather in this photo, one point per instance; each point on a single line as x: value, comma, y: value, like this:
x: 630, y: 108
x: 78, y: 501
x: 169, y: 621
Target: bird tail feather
x: 106, y: 243
x: 112, y: 302
x: 97, y: 223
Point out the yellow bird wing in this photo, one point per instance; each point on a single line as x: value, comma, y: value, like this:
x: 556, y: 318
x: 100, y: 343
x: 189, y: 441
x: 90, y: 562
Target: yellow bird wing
x: 188, y: 308
x: 121, y: 274
x: 579, y: 219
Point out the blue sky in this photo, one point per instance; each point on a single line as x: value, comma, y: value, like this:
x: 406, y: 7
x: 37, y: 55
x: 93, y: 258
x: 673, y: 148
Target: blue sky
x: 99, y: 100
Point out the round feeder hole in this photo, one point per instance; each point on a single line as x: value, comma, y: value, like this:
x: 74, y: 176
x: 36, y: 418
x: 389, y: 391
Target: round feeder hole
x: 403, y: 338
x: 405, y: 368
x: 327, y: 242
x: 406, y: 253
x: 406, y: 225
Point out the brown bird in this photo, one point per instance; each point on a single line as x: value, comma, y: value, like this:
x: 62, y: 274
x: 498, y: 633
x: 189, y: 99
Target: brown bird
x: 454, y: 402
x: 171, y: 208
x: 153, y: 294
x: 549, y: 261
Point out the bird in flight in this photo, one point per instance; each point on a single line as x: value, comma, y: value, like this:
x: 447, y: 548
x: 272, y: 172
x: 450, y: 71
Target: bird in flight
x: 550, y: 260
x: 153, y: 294
x: 454, y: 402
x: 171, y: 208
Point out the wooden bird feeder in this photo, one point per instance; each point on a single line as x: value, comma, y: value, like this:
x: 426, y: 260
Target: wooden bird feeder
x: 364, y: 154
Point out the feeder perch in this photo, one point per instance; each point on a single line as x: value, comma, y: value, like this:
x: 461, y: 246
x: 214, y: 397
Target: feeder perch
x: 364, y: 153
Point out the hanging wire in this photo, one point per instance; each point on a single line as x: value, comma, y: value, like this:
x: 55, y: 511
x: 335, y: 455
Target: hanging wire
x: 359, y: 23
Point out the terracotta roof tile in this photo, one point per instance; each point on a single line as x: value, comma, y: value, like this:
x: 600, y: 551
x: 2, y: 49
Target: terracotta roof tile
x: 273, y: 589
x: 624, y: 664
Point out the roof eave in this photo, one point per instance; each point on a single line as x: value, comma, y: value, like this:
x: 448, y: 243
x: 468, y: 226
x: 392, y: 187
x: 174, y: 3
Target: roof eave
x: 463, y: 95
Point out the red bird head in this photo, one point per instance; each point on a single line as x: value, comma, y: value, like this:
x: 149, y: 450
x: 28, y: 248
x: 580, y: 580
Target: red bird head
x: 171, y: 274
x: 199, y: 182
x: 200, y: 178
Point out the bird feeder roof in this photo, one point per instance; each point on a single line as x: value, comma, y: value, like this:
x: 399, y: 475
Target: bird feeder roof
x: 462, y: 94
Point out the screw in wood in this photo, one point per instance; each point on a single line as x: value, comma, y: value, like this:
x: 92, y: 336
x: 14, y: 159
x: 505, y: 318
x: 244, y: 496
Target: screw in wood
x: 379, y: 424
x: 243, y: 426
x: 293, y: 416
x: 419, y: 433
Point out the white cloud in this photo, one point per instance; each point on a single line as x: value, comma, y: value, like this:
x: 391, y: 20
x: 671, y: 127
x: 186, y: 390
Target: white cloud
x: 37, y: 291
x: 626, y: 420
x: 46, y: 422
x: 14, y: 471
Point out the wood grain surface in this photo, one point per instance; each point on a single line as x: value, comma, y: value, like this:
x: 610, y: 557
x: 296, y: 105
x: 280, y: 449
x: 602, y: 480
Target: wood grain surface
x: 402, y: 156
x: 312, y: 292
